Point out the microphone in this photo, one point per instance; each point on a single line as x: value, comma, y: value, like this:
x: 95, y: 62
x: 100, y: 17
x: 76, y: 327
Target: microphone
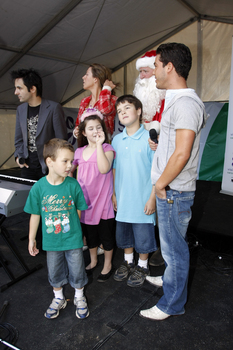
x: 153, y: 135
x: 154, y: 130
x: 21, y: 161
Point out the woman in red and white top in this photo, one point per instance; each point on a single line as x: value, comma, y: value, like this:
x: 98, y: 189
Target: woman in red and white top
x: 98, y: 81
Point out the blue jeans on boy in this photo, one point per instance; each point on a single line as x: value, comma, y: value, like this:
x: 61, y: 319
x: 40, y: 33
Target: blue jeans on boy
x: 174, y: 214
x: 141, y: 237
x: 66, y: 267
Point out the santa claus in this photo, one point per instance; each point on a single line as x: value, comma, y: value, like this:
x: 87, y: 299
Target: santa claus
x: 146, y: 91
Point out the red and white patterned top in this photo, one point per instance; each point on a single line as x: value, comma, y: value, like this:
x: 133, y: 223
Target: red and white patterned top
x: 105, y: 104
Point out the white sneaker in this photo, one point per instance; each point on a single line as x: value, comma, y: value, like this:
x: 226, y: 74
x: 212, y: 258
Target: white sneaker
x: 156, y: 281
x: 154, y: 314
x: 100, y: 251
x: 54, y: 308
x: 81, y: 307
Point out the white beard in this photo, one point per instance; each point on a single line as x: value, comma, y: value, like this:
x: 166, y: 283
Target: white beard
x: 151, y: 97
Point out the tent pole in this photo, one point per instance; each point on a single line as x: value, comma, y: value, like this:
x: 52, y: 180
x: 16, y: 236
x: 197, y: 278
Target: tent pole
x: 125, y: 80
x: 7, y: 159
x: 199, y: 57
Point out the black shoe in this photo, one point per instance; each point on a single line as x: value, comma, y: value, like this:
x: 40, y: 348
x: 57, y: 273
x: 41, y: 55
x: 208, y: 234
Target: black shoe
x: 105, y: 277
x: 156, y: 259
x: 90, y: 271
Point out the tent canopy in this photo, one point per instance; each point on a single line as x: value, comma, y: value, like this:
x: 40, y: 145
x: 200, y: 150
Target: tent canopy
x: 61, y: 38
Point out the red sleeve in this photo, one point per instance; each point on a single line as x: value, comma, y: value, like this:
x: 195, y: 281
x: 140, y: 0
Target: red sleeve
x: 158, y: 115
x: 106, y: 102
x: 106, y: 105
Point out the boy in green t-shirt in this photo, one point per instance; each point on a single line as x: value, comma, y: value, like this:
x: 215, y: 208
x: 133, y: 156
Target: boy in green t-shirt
x: 58, y: 200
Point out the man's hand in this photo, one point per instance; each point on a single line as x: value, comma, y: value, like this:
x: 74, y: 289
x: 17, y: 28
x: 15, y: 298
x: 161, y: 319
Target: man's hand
x: 160, y: 191
x: 21, y: 165
x: 152, y: 144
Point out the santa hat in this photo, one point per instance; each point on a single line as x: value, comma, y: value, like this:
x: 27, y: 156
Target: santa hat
x: 147, y: 60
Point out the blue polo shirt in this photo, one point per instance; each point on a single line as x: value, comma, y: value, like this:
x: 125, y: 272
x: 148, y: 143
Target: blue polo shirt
x: 133, y: 176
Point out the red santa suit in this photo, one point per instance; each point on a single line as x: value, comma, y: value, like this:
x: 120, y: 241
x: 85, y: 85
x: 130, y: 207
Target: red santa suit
x: 146, y: 91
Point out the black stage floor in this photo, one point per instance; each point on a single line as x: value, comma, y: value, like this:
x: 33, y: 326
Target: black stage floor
x: 114, y: 321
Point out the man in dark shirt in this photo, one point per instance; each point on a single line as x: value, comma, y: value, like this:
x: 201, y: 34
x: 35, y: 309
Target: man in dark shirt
x: 37, y: 121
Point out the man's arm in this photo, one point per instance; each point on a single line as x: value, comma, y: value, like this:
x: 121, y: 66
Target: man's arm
x: 19, y: 143
x: 177, y: 161
x: 59, y: 123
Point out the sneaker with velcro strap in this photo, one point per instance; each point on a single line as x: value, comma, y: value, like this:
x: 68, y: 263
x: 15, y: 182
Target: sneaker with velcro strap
x: 138, y: 277
x: 54, y: 308
x: 123, y: 271
x: 81, y: 307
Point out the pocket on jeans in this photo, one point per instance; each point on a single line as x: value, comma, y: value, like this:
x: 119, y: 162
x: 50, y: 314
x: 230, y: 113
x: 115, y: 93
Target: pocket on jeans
x: 163, y: 200
x: 184, y: 210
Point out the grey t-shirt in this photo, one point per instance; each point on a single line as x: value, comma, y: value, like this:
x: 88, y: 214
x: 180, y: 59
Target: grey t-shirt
x: 183, y: 111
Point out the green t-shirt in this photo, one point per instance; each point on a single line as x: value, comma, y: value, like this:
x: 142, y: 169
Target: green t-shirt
x: 57, y: 205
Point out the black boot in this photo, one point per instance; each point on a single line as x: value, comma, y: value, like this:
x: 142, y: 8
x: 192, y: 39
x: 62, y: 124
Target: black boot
x: 156, y: 258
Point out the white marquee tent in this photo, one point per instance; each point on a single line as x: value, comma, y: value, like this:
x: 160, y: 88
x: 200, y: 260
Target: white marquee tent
x: 61, y: 38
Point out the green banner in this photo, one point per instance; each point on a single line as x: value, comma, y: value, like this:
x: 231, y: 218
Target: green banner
x: 212, y: 160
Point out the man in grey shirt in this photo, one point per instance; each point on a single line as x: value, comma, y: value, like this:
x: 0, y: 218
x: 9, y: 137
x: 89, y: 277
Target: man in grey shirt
x: 174, y: 173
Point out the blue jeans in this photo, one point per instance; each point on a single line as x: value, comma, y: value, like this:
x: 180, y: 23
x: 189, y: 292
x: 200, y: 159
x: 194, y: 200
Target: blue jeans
x: 141, y: 237
x: 174, y: 214
x: 66, y: 266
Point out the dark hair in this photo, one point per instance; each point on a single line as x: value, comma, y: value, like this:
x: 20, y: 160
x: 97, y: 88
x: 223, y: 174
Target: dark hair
x: 51, y: 148
x: 179, y: 55
x: 82, y: 140
x: 102, y: 73
x: 30, y: 78
x: 130, y: 99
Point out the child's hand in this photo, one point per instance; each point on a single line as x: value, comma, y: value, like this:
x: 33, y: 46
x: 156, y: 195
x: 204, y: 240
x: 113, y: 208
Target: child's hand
x: 75, y: 132
x: 32, y: 248
x: 100, y: 137
x: 150, y: 206
x: 114, y: 202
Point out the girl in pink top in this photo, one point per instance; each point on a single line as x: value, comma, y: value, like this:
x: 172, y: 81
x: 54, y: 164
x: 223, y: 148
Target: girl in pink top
x: 94, y: 157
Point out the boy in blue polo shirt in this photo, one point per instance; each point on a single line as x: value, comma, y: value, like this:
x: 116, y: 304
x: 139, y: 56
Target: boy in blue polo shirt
x: 133, y: 198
